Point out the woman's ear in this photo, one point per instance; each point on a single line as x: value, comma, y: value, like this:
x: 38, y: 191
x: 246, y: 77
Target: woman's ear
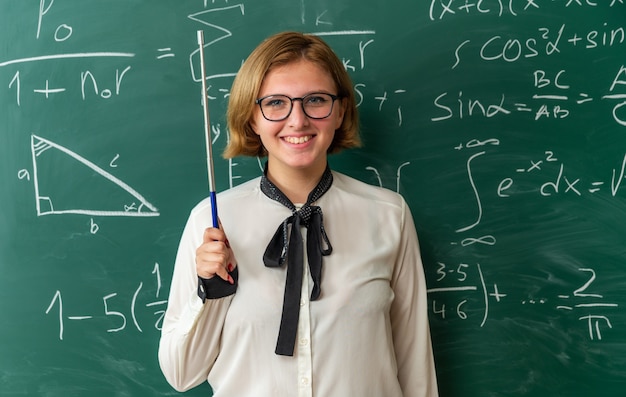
x: 252, y: 123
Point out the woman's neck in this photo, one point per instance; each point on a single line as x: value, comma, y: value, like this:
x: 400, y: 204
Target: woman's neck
x: 295, y: 183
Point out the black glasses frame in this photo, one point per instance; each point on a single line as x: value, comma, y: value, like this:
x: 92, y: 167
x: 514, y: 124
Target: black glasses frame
x: 301, y: 99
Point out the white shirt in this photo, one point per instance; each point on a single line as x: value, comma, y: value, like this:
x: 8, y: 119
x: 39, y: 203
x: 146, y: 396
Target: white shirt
x: 366, y: 335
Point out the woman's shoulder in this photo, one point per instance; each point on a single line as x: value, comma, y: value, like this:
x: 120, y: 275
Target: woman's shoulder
x: 359, y: 189
x: 243, y: 189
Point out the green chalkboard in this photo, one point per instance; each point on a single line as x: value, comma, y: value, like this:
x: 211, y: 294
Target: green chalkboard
x: 503, y: 123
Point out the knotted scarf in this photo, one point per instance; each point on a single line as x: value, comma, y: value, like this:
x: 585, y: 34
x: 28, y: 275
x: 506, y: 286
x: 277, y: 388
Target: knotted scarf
x: 287, y: 245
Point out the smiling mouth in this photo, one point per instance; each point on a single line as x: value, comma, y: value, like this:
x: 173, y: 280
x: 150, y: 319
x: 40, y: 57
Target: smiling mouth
x: 297, y: 140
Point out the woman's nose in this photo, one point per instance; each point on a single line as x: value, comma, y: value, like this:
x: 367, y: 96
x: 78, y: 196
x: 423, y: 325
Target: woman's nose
x: 298, y: 117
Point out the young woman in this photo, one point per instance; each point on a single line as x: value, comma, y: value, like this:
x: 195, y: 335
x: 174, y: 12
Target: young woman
x: 313, y: 283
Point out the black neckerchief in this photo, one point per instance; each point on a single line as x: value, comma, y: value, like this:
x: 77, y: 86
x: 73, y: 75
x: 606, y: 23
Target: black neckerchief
x: 289, y: 247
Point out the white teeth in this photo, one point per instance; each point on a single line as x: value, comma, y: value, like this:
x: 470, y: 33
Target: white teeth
x: 297, y: 140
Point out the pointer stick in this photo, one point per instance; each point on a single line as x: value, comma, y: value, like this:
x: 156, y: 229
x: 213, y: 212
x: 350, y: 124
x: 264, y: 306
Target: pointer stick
x: 207, y: 132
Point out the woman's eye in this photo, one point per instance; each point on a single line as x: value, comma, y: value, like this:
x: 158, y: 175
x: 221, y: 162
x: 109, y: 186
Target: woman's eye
x: 315, y: 100
x: 274, y: 103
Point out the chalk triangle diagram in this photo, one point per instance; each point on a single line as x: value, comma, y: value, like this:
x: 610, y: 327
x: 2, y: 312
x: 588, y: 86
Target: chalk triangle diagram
x: 67, y: 183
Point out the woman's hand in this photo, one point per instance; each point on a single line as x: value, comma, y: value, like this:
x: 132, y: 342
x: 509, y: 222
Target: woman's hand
x: 214, y: 257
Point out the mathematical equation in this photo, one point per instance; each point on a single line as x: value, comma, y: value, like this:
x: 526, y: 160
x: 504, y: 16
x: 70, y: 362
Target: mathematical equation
x: 581, y: 299
x: 562, y: 183
x: 460, y: 274
x: 556, y: 104
x: 559, y: 181
x: 118, y: 319
x: 443, y: 9
x: 547, y: 42
x: 594, y: 320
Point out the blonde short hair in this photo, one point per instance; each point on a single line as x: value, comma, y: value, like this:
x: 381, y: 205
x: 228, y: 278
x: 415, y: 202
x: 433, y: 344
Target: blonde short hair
x: 278, y: 50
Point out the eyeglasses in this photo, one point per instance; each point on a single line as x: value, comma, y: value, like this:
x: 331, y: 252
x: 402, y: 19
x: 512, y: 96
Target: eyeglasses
x: 315, y: 106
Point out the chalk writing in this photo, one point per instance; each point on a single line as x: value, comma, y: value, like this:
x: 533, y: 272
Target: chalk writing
x: 440, y: 9
x: 585, y: 300
x: 479, y: 205
x: 223, y: 33
x: 380, y: 181
x: 593, y: 321
x: 560, y: 181
x: 555, y: 104
x: 87, y: 81
x: 118, y: 319
x: 165, y: 52
x: 68, y: 56
x: 546, y: 42
x: 460, y: 274
x: 443, y: 9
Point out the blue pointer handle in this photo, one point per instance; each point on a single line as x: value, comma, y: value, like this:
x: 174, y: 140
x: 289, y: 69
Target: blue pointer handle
x: 214, y: 209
